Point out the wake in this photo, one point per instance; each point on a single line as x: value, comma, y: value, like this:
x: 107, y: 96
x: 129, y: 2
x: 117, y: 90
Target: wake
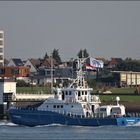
x: 5, y: 123
x: 50, y: 125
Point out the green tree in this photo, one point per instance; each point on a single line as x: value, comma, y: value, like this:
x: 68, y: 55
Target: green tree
x: 83, y: 54
x: 56, y: 56
x: 128, y: 65
x: 46, y: 56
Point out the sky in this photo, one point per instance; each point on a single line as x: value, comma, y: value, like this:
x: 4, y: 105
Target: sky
x: 105, y: 28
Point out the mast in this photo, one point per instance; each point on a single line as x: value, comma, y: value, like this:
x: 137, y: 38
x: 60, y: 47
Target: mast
x: 51, y: 73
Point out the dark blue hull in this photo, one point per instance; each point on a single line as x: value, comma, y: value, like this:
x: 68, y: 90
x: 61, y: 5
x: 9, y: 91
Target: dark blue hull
x: 30, y: 117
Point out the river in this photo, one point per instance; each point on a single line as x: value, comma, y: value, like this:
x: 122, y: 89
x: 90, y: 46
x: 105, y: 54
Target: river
x: 10, y: 131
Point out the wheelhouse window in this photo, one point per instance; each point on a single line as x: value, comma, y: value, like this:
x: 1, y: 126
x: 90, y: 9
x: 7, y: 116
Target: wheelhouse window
x: 102, y: 109
x: 66, y: 92
x: 69, y: 92
x: 79, y: 93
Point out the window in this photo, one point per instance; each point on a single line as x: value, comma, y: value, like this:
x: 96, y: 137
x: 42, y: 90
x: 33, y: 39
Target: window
x: 29, y: 66
x: 69, y: 92
x: 54, y: 106
x: 14, y: 71
x: 82, y: 92
x: 102, y: 109
x: 1, y: 50
x: 85, y: 92
x: 61, y: 106
x: 48, y: 72
x: 2, y: 71
x: 7, y: 97
x: 72, y: 106
x: 79, y: 94
x: 1, y: 57
x: 1, y: 42
x: 57, y: 106
x: 66, y: 92
x: 1, y: 35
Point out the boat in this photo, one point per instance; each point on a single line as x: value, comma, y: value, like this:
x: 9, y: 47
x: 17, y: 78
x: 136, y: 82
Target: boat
x: 72, y: 105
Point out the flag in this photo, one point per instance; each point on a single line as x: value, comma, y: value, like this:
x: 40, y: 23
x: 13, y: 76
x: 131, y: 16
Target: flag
x: 96, y: 63
x: 90, y: 68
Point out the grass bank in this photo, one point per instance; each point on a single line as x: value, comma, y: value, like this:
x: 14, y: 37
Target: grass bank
x: 126, y: 90
x: 45, y: 90
x: 127, y: 98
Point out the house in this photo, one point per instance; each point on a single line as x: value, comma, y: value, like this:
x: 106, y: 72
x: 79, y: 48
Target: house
x: 15, y: 62
x: 47, y: 63
x: 114, y: 62
x: 59, y: 74
x: 32, y: 64
x: 14, y: 72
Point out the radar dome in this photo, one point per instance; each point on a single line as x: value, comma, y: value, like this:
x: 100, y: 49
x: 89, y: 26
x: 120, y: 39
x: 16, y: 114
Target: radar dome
x: 117, y: 98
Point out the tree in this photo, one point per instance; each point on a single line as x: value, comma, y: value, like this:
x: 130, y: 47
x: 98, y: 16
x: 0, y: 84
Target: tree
x: 86, y: 53
x: 56, y: 56
x: 21, y: 83
x: 83, y: 54
x: 128, y: 65
x: 46, y: 56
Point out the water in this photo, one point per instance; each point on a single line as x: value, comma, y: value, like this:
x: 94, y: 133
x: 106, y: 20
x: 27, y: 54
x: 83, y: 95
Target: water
x: 10, y: 131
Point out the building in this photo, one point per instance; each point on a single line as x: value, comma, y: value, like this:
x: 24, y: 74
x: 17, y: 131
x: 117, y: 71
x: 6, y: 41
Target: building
x: 7, y: 94
x: 1, y: 48
x: 114, y: 62
x: 15, y: 62
x: 129, y: 78
x: 14, y: 72
x: 58, y: 74
x: 32, y: 65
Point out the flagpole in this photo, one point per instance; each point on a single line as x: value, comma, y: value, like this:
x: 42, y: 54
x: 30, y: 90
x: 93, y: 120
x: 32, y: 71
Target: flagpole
x: 97, y: 75
x: 51, y: 72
